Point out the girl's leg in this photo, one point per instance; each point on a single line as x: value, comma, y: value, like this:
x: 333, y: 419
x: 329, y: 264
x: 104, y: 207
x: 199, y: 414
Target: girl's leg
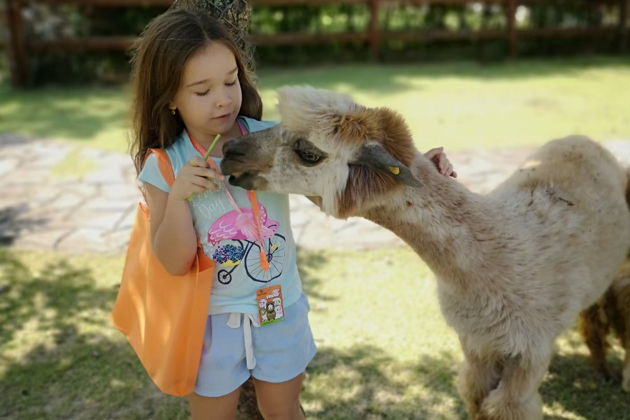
x: 209, y: 408
x: 280, y: 401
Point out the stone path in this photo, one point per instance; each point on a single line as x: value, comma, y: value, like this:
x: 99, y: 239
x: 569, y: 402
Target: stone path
x: 40, y: 210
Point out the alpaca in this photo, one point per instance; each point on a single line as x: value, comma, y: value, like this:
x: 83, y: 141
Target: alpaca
x: 514, y: 268
x: 611, y: 312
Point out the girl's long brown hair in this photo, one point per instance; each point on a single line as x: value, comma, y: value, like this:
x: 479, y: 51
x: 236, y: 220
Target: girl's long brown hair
x: 158, y: 62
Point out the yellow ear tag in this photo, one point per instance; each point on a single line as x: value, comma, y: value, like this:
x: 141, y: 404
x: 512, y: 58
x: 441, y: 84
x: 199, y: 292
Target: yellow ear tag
x: 394, y: 169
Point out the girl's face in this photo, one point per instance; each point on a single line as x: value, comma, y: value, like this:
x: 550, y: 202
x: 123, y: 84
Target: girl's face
x: 209, y: 96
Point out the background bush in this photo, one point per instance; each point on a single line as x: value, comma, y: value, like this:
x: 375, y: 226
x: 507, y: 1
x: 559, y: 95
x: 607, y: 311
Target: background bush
x: 59, y: 21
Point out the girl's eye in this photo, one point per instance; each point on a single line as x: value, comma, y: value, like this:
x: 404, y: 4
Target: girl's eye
x: 202, y: 93
x: 231, y: 84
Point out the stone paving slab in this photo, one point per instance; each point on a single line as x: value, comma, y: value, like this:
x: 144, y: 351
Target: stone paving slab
x: 94, y: 213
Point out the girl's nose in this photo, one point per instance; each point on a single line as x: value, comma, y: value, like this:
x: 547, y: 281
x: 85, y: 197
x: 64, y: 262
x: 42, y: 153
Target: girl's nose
x: 223, y: 98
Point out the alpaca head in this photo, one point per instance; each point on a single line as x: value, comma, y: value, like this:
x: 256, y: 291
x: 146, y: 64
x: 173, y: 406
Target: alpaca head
x: 326, y: 146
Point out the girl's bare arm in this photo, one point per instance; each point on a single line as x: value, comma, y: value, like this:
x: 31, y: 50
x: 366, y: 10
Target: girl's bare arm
x: 172, y: 232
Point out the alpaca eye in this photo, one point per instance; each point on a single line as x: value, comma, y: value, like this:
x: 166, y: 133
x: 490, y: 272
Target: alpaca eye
x: 308, y: 156
x: 308, y: 153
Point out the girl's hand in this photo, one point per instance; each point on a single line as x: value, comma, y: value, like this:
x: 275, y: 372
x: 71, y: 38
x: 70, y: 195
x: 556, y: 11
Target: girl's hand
x: 441, y: 162
x: 195, y: 177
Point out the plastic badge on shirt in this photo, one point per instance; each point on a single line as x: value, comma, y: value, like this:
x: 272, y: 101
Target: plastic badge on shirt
x: 270, y: 305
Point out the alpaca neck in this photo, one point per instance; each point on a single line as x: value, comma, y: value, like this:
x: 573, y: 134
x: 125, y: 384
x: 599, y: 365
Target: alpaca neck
x: 452, y: 229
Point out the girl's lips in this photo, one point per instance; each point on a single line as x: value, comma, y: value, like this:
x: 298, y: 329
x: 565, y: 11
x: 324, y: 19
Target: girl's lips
x: 220, y: 117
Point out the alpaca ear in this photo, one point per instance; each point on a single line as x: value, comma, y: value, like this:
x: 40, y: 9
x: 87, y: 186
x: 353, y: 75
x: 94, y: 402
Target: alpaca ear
x: 374, y: 155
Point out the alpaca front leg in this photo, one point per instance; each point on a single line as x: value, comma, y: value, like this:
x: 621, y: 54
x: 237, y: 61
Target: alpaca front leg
x: 517, y: 397
x: 594, y: 331
x: 476, y: 380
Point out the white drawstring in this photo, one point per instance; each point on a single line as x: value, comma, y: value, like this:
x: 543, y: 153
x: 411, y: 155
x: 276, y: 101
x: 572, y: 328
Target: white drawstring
x: 249, y: 320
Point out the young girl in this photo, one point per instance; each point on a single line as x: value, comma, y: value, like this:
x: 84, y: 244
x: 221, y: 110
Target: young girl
x: 190, y: 84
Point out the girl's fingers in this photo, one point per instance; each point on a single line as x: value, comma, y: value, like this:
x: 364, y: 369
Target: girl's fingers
x: 204, y: 183
x: 199, y: 186
x: 431, y: 154
x: 443, y: 162
x: 450, y: 172
x: 198, y: 162
x: 195, y: 189
x: 207, y: 173
x: 445, y: 166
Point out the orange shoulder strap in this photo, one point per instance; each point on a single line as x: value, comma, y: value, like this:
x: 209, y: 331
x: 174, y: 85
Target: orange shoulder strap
x: 164, y: 163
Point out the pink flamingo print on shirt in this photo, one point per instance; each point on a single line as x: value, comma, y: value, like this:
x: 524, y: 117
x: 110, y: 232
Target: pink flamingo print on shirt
x: 240, y: 225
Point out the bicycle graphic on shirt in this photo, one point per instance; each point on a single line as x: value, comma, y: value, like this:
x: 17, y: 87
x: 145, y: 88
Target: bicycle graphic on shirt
x: 236, y: 252
x: 233, y: 236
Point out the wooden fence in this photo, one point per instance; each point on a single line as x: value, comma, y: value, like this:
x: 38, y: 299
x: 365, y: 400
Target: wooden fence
x: 20, y: 48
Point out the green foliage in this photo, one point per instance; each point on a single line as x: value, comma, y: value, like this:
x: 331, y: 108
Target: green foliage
x: 62, y: 21
x: 71, y: 21
x: 79, y: 68
x: 4, y: 68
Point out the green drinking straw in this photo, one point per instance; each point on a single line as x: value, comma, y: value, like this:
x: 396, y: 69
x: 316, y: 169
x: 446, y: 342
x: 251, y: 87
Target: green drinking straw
x: 212, y: 146
x: 207, y: 155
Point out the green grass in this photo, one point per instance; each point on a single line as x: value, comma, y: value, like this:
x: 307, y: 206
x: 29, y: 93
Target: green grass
x: 88, y: 116
x: 467, y: 105
x: 458, y: 105
x: 74, y: 165
x: 384, y: 349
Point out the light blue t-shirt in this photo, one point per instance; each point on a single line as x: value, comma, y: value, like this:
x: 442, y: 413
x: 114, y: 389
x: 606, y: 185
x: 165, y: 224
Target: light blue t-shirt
x: 226, y: 234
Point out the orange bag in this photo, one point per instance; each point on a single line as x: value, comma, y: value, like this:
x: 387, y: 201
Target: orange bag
x: 163, y: 316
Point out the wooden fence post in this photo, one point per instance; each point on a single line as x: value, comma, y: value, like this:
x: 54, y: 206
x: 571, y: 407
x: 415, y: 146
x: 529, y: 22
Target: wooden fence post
x: 510, y: 17
x: 18, y: 60
x: 374, y: 35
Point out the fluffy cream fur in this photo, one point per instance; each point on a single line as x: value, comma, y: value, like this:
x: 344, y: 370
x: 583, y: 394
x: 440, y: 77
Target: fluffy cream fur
x: 514, y: 267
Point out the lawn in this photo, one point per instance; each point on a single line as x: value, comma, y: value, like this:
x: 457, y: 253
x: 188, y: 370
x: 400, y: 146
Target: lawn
x: 384, y: 349
x: 459, y: 105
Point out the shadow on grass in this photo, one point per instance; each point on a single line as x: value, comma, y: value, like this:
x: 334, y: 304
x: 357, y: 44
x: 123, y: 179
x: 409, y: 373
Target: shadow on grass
x: 12, y: 223
x: 572, y: 384
x: 308, y: 264
x: 55, y: 298
x: 60, y: 358
x: 76, y: 113
x: 365, y: 381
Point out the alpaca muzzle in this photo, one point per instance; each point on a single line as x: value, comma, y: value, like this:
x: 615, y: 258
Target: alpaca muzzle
x: 243, y: 165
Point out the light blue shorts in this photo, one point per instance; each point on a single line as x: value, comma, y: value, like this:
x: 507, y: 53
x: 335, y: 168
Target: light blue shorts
x: 281, y: 350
